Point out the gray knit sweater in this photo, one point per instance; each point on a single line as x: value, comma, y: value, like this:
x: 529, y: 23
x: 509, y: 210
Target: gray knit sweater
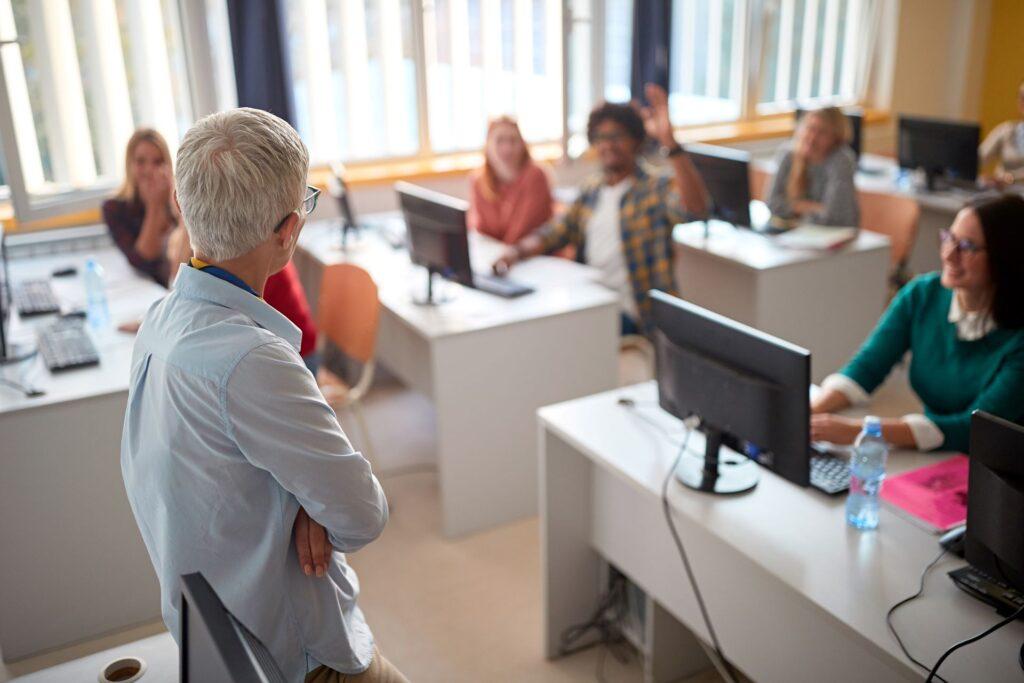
x: 830, y: 183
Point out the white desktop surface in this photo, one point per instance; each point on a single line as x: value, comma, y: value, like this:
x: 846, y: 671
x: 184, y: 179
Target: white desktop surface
x: 487, y: 363
x: 759, y: 252
x: 72, y: 565
x: 826, y: 587
x: 129, y: 296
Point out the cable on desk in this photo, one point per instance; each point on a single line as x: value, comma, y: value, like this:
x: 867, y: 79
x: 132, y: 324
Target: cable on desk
x: 973, y: 639
x: 717, y: 657
x: 892, y: 610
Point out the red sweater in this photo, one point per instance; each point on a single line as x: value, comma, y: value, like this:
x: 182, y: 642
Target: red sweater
x: 521, y: 207
x: 284, y: 292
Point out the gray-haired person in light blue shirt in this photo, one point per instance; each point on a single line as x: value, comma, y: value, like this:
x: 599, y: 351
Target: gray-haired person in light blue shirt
x: 235, y: 466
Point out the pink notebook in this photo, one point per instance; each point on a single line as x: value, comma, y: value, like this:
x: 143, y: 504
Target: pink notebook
x: 934, y: 496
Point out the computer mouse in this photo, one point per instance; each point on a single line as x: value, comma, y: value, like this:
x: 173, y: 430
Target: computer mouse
x: 67, y: 271
x: 953, y: 540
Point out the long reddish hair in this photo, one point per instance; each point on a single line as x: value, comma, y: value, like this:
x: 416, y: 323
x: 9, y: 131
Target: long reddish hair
x: 490, y: 177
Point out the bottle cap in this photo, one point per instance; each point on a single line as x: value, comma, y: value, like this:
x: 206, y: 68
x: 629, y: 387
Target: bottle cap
x: 873, y: 425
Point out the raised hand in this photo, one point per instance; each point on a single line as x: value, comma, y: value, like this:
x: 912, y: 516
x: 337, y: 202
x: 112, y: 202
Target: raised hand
x: 656, y: 118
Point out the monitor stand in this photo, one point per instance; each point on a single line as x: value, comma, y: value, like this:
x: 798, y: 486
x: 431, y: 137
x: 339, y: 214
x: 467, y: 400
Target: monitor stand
x: 717, y: 473
x: 432, y: 297
x: 348, y: 229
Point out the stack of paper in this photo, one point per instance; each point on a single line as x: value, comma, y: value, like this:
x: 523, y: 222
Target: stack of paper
x: 817, y: 237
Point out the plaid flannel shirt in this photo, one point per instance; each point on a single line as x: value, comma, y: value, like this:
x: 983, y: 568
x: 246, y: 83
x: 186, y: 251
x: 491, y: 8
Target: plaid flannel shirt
x: 650, y: 209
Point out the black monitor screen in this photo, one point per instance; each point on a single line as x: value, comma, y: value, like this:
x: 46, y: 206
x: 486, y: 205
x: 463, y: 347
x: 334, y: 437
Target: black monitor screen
x: 436, y: 225
x: 941, y: 148
x: 726, y: 173
x: 739, y: 380
x: 995, y: 499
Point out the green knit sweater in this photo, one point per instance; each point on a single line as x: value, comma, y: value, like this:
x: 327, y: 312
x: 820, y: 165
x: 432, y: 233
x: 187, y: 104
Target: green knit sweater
x: 952, y: 377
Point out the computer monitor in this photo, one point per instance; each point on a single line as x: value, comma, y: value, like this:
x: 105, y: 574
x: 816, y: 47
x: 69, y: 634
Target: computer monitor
x: 994, y: 542
x: 943, y: 149
x: 743, y: 384
x: 436, y: 225
x: 214, y: 645
x: 856, y: 119
x: 726, y: 173
x: 339, y: 189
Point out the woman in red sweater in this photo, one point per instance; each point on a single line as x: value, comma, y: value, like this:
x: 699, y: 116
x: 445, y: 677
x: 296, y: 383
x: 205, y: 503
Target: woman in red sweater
x: 510, y: 196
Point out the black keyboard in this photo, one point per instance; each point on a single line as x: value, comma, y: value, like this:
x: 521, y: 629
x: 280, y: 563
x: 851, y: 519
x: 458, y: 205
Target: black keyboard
x: 830, y: 474
x: 980, y: 585
x: 35, y: 297
x: 66, y: 345
x: 500, y: 286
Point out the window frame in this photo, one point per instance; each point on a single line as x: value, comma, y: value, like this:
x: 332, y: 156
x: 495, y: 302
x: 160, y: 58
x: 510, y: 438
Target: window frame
x: 29, y: 208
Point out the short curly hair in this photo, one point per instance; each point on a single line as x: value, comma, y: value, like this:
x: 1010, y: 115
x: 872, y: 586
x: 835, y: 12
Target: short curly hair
x: 622, y: 114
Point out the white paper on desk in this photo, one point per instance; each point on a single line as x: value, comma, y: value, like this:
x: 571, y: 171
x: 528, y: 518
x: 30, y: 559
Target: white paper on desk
x: 816, y: 237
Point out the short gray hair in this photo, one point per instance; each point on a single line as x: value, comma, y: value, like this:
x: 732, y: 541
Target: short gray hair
x: 239, y: 173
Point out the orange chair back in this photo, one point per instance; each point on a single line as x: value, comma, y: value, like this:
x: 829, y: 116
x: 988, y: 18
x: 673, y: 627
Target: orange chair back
x: 349, y: 310
x: 759, y: 183
x: 893, y: 216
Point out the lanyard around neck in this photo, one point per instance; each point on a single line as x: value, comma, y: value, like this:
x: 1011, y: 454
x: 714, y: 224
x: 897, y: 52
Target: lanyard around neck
x: 222, y: 274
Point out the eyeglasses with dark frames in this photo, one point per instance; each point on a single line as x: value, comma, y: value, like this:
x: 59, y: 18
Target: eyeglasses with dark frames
x: 307, y: 206
x: 947, y: 240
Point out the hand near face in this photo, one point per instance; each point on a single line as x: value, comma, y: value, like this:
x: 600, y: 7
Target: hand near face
x: 155, y: 187
x: 656, y: 118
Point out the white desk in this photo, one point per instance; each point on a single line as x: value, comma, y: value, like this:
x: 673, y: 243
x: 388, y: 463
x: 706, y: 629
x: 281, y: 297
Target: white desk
x: 486, y: 363
x: 793, y: 593
x: 827, y: 302
x: 72, y: 564
x: 882, y: 174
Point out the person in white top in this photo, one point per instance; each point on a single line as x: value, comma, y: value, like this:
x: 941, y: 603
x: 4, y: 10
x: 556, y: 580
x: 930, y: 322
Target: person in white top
x: 1004, y: 146
x: 622, y: 221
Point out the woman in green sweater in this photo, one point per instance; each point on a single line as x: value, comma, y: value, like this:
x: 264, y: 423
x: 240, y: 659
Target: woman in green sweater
x: 964, y: 328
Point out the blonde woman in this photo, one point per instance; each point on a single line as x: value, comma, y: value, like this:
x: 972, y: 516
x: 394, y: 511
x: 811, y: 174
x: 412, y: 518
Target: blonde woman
x: 814, y: 180
x: 142, y: 215
x: 510, y: 196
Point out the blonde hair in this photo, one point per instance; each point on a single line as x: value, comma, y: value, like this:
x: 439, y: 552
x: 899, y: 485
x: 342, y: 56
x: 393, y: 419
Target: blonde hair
x: 129, y: 189
x: 490, y: 177
x: 838, y: 124
x: 239, y: 173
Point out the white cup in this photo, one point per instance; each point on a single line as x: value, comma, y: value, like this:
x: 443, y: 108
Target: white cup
x: 123, y: 670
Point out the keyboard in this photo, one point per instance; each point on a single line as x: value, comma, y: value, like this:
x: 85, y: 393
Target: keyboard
x: 500, y: 286
x: 830, y: 474
x: 989, y: 590
x: 66, y: 345
x: 35, y: 297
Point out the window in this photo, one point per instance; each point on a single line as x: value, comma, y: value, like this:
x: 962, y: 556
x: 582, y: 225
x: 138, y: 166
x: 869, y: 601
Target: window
x: 815, y: 52
x: 79, y: 76
x: 730, y: 59
x: 357, y: 68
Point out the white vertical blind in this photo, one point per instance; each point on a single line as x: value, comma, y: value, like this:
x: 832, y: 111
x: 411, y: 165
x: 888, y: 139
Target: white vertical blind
x: 26, y: 146
x: 151, y: 68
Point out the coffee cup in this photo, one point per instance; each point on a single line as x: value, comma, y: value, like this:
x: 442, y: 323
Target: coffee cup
x: 123, y: 670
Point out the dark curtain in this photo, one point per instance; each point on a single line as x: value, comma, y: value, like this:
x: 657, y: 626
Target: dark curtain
x: 262, y: 72
x: 652, y: 34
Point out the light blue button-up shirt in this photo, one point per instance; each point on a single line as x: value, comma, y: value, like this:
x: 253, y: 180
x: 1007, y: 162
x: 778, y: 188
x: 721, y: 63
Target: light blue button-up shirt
x: 226, y: 434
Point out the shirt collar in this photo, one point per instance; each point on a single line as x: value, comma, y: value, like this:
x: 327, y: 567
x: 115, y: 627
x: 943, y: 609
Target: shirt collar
x: 970, y: 325
x: 193, y: 283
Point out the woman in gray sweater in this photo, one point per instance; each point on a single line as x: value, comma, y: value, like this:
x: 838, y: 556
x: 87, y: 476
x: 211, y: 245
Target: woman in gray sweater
x: 814, y: 180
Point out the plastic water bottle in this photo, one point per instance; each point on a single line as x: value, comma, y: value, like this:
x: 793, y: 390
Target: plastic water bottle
x: 96, y: 308
x: 867, y: 470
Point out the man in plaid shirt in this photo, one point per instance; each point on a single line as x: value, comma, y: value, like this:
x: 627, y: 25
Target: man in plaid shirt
x: 622, y: 221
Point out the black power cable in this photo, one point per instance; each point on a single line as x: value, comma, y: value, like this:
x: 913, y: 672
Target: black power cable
x: 725, y: 669
x: 973, y: 639
x: 892, y: 610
